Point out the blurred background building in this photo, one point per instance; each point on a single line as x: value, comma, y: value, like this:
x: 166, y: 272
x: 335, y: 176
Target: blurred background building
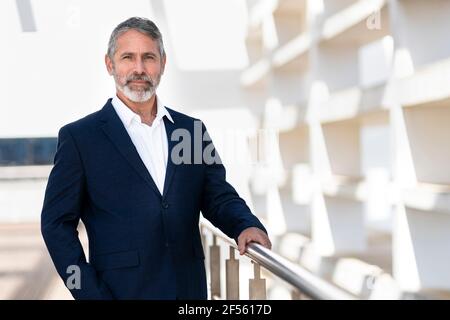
x: 332, y: 117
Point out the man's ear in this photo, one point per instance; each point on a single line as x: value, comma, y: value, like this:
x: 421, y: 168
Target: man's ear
x: 109, y: 64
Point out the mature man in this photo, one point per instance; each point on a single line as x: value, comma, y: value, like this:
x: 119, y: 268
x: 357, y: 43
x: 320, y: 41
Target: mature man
x: 122, y: 172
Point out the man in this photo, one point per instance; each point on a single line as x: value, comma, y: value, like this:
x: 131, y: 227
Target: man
x: 119, y: 171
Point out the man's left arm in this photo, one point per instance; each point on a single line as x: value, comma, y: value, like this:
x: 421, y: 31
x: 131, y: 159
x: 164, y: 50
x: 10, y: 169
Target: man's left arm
x: 226, y: 210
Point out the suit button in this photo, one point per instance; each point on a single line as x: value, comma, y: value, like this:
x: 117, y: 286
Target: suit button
x: 167, y: 244
x: 165, y: 205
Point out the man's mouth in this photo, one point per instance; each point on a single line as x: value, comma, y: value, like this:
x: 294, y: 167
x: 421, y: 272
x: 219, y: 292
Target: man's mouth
x: 139, y: 82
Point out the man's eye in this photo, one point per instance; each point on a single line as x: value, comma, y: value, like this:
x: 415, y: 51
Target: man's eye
x: 126, y: 57
x: 149, y: 57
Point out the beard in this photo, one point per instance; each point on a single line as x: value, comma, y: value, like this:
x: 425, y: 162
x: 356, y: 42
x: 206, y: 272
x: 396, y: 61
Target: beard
x: 137, y: 93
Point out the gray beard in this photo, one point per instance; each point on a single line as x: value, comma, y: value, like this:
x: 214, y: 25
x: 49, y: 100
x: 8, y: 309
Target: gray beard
x: 137, y: 95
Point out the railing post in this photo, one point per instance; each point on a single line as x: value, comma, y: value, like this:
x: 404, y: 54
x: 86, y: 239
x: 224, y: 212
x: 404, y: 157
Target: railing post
x: 214, y: 266
x: 232, y: 276
x: 257, y: 286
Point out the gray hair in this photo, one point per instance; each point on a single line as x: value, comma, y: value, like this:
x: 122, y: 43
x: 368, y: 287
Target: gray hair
x: 142, y: 25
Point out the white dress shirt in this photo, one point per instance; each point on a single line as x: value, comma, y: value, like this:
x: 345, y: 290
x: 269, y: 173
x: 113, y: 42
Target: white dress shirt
x: 150, y: 141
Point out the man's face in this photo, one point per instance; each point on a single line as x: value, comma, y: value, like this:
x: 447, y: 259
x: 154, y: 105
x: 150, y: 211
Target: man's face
x: 137, y: 65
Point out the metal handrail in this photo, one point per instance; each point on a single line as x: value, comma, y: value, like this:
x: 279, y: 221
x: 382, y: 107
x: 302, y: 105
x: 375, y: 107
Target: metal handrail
x: 302, y: 279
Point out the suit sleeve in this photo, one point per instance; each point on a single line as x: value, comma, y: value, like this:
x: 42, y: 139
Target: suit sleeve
x: 60, y: 216
x: 221, y: 204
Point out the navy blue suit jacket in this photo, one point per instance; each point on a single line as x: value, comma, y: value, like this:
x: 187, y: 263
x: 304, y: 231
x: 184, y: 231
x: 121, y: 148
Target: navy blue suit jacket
x: 142, y: 244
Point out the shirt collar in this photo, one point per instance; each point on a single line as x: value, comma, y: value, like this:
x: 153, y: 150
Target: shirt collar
x: 162, y: 110
x: 127, y: 116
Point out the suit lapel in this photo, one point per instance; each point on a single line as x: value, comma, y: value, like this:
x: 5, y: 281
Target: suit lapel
x: 116, y: 132
x: 171, y: 167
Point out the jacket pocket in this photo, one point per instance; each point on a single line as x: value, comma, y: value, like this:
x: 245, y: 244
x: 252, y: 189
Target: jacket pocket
x: 116, y: 260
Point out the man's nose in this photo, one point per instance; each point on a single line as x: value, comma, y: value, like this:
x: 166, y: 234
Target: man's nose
x: 139, y: 66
